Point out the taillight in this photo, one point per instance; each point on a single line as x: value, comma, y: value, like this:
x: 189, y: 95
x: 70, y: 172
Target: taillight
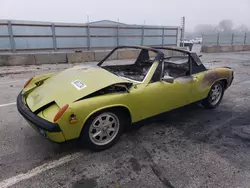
x: 27, y: 83
x: 60, y: 112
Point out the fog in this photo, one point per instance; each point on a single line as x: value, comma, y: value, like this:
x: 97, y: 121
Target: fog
x: 152, y: 12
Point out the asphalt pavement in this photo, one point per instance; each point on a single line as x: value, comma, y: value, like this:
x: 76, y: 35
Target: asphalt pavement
x: 189, y: 148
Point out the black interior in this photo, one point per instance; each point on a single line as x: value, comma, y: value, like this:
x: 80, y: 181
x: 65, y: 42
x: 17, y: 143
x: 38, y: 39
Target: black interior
x: 174, y: 68
x: 136, y: 71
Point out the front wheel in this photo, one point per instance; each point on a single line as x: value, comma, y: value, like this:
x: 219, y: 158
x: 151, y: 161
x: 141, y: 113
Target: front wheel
x: 102, y: 130
x: 214, y: 96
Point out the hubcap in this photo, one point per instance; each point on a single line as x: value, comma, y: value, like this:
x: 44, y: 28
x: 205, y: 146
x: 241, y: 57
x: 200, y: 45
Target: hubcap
x: 215, y: 94
x: 104, y: 128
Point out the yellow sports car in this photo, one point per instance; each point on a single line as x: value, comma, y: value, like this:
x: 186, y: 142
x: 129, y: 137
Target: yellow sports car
x: 94, y: 103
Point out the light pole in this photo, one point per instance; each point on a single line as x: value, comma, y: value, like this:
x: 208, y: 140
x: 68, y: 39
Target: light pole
x: 182, y: 29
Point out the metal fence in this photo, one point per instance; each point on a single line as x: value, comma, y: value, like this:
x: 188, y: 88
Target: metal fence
x: 17, y: 36
x: 225, y: 39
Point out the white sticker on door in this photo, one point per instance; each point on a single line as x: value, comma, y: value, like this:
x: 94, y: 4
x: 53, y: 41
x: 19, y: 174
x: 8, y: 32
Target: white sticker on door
x: 78, y: 84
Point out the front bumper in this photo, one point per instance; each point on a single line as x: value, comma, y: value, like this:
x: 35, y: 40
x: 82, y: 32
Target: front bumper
x: 46, y: 128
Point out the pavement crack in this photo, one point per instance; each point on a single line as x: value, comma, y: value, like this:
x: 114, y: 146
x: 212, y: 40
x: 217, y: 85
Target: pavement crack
x: 155, y: 169
x: 158, y: 174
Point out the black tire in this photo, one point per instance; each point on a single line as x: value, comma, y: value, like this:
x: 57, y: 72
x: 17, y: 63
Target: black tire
x: 207, y: 103
x: 85, y: 134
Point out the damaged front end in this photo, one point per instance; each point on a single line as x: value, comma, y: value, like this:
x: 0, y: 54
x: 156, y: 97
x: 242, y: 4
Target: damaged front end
x: 115, y: 88
x: 46, y: 128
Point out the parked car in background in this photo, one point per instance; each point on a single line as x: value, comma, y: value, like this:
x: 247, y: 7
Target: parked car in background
x: 197, y: 40
x: 187, y: 43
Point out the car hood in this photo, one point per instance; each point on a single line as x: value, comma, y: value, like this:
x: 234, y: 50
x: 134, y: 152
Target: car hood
x: 71, y: 85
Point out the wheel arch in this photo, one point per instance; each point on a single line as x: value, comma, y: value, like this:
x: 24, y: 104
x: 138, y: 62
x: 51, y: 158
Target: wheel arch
x: 121, y: 108
x: 223, y: 80
x: 206, y: 103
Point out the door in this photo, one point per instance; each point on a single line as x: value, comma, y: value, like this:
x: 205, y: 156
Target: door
x: 198, y: 89
x: 161, y: 96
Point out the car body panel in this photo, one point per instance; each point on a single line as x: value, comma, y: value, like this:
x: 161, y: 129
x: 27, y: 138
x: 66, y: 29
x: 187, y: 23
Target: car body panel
x: 35, y: 79
x: 60, y: 89
x: 55, y: 136
x: 203, y: 81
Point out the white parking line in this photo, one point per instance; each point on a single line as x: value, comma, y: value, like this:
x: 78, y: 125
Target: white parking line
x: 8, y: 104
x: 38, y: 170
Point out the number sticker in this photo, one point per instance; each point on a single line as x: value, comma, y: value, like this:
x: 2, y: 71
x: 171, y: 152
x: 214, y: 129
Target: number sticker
x: 78, y: 84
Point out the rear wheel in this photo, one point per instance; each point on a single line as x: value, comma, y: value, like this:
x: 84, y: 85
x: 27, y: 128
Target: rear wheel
x: 102, y: 130
x: 215, y: 95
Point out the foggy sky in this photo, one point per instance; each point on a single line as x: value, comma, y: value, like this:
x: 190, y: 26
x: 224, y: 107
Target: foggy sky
x: 154, y: 12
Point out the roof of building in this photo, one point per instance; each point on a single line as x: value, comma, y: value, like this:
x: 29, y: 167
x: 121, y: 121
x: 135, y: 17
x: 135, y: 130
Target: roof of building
x: 99, y: 23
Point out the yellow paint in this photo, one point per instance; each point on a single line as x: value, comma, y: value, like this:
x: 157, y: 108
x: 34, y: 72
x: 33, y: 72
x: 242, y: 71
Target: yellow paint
x: 55, y: 136
x: 143, y: 100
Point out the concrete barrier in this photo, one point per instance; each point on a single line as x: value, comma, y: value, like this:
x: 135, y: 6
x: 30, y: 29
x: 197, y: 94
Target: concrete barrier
x: 80, y: 57
x: 246, y: 47
x: 50, y: 58
x: 99, y: 55
x: 210, y: 49
x: 66, y: 57
x: 25, y: 59
x: 127, y: 54
x: 238, y: 48
x: 226, y: 48
x: 3, y: 60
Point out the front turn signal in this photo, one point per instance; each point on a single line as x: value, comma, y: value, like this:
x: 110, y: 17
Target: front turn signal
x: 60, y: 112
x: 27, y: 83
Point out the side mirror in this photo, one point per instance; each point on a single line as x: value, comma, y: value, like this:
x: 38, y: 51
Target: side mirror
x: 168, y: 79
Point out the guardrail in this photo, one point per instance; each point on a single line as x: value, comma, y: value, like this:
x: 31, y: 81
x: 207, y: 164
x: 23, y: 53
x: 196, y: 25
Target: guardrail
x: 16, y: 36
x: 225, y: 39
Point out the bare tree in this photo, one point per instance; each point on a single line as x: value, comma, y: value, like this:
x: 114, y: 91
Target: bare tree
x: 205, y: 28
x: 226, y: 25
x: 242, y: 28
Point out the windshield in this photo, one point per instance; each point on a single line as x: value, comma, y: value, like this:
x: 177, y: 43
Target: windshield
x: 130, y: 63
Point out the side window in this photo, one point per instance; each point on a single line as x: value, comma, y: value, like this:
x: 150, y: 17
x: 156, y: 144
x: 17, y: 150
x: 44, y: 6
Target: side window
x: 157, y: 74
x: 177, y: 66
x: 195, y: 67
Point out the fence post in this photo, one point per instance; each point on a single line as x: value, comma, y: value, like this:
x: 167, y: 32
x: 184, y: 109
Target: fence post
x: 162, y: 36
x: 88, y: 33
x: 218, y: 38
x: 202, y: 37
x: 232, y: 42
x: 118, y: 35
x: 11, y: 37
x: 54, y: 36
x: 142, y: 36
x: 245, y: 38
x: 177, y: 36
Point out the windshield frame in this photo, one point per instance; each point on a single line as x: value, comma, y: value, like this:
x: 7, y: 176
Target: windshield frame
x: 156, y: 59
x: 132, y: 47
